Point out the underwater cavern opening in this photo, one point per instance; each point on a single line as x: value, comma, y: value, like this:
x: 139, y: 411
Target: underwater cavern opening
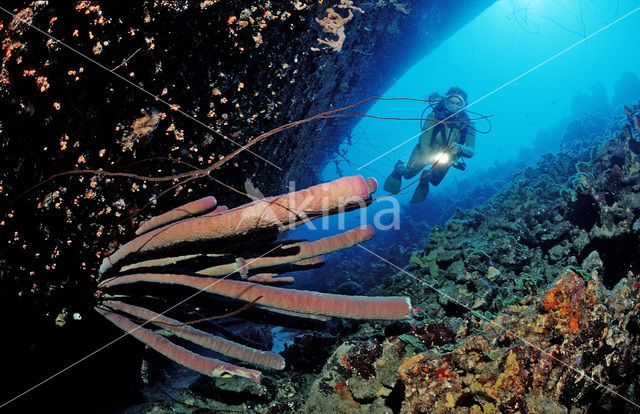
x: 584, y: 212
x: 619, y: 256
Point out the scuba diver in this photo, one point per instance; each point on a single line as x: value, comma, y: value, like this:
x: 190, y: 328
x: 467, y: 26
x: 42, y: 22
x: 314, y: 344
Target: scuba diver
x: 434, y: 140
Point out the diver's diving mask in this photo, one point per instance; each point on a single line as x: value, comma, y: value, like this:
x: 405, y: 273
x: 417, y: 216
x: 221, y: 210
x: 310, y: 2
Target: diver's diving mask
x: 454, y: 103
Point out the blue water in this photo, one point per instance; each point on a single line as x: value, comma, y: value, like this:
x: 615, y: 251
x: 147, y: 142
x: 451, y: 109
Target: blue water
x: 528, y: 64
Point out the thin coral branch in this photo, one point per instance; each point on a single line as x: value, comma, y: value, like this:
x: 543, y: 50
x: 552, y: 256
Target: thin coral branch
x: 202, y: 172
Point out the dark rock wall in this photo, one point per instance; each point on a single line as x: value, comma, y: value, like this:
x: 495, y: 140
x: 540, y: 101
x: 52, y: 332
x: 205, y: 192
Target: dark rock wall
x: 237, y: 68
x: 190, y: 77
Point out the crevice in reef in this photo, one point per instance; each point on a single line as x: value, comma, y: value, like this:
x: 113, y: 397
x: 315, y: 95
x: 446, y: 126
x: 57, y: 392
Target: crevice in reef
x: 454, y: 309
x: 619, y: 255
x: 395, y: 399
x: 584, y: 212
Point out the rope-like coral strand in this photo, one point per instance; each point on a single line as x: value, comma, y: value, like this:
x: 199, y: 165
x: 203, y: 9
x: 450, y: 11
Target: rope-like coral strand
x: 197, y: 173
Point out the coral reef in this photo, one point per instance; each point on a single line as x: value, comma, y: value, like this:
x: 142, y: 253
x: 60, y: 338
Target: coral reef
x: 548, y: 268
x: 552, y: 215
x: 575, y: 347
x: 513, y: 260
x: 536, y: 305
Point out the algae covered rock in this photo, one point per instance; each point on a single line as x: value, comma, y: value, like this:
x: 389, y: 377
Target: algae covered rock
x: 578, y: 336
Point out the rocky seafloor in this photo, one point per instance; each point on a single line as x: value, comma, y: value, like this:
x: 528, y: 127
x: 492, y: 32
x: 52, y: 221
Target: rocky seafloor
x: 527, y: 303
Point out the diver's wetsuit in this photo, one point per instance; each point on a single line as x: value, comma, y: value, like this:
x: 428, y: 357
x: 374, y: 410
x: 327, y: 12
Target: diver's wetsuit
x: 433, y: 141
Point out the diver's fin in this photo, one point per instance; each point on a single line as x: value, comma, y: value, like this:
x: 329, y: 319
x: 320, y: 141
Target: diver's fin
x: 422, y: 191
x: 394, y: 181
x: 392, y: 184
